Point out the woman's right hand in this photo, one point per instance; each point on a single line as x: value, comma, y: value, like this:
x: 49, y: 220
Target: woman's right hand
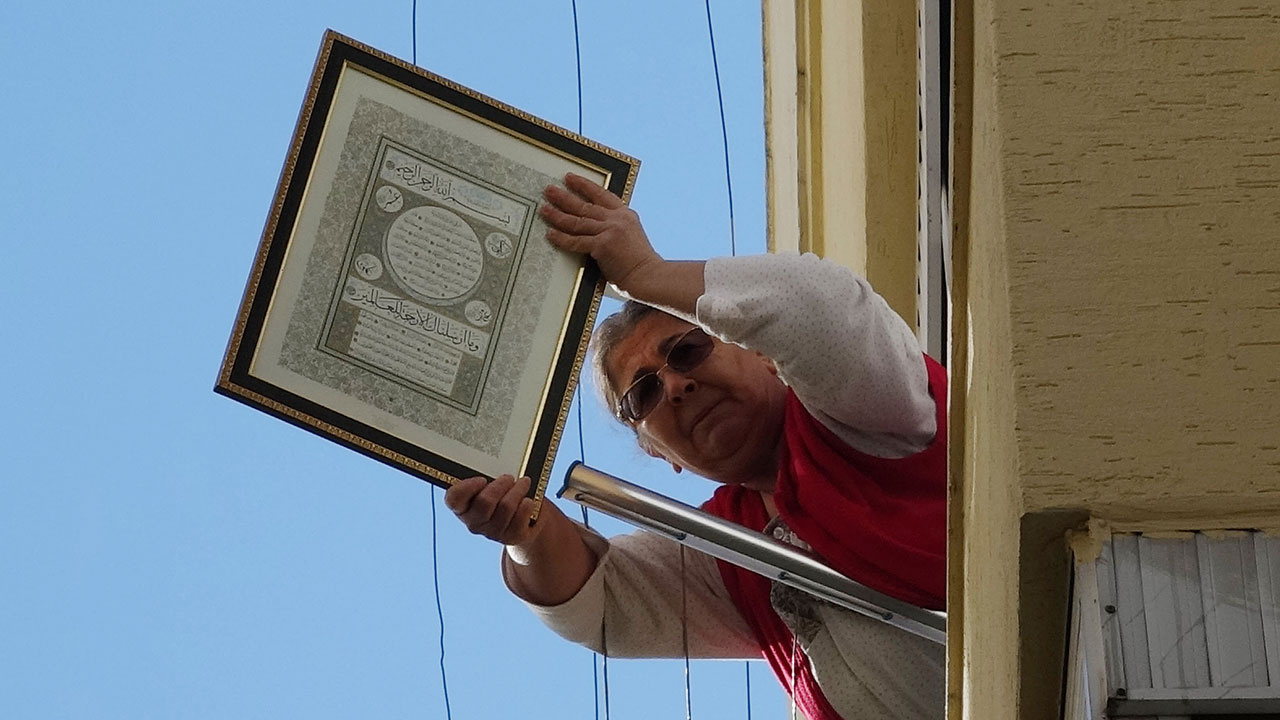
x: 499, y: 510
x: 546, y: 562
x: 584, y: 217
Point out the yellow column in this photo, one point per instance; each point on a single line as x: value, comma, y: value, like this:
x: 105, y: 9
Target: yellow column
x: 841, y: 137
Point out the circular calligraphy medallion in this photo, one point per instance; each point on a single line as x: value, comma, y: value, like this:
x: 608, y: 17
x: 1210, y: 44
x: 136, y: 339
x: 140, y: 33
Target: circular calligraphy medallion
x: 389, y: 199
x: 498, y: 244
x: 434, y: 254
x: 368, y: 266
x: 479, y: 313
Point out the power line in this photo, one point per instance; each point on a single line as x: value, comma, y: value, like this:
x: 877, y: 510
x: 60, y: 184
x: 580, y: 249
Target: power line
x: 435, y: 555
x: 724, y: 132
x: 582, y: 448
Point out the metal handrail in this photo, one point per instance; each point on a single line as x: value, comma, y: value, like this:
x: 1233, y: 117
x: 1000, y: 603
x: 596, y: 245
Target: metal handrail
x: 745, y: 548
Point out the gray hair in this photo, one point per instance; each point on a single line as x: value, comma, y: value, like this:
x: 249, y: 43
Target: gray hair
x: 608, y: 334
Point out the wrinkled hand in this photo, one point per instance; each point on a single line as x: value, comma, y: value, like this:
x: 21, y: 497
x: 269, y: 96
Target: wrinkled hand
x: 499, y: 510
x: 589, y: 219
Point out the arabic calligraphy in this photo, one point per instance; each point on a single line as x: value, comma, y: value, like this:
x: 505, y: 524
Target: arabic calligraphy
x: 368, y: 266
x: 424, y: 290
x: 479, y: 312
x: 444, y: 187
x: 389, y: 199
x: 435, y: 253
x: 433, y: 184
x: 411, y: 316
x: 405, y: 353
x: 498, y: 245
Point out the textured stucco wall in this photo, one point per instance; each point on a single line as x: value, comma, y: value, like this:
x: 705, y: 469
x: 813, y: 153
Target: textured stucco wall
x: 1141, y: 167
x: 1125, y: 221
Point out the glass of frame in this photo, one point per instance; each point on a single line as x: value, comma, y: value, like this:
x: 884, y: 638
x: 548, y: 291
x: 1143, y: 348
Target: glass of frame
x: 404, y: 301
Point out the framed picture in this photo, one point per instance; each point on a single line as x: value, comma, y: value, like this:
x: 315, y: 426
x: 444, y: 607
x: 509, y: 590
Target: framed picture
x: 404, y: 300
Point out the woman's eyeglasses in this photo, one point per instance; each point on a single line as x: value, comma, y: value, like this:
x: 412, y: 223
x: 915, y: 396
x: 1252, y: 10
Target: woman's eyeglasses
x: 643, y: 395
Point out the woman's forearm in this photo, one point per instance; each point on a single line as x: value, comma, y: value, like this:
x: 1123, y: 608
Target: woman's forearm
x: 553, y: 567
x: 673, y: 285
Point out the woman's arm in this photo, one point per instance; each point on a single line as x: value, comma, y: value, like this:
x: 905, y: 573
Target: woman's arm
x: 837, y: 343
x: 549, y: 560
x: 589, y: 219
x: 636, y: 589
x: 636, y: 598
x: 852, y: 361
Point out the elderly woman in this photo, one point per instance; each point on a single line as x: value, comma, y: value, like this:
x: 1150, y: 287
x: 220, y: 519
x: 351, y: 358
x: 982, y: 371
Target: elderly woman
x: 790, y: 382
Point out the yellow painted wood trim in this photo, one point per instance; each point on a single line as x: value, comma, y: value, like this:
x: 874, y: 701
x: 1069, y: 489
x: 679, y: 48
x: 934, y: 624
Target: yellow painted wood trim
x: 809, y: 124
x: 888, y: 110
x: 852, y: 182
x: 781, y: 115
x: 957, y: 487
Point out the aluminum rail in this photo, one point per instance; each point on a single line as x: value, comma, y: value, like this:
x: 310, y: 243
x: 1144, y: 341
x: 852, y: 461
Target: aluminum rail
x: 745, y: 548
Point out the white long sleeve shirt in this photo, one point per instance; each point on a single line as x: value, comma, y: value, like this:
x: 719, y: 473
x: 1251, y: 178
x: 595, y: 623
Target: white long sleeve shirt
x: 858, y: 369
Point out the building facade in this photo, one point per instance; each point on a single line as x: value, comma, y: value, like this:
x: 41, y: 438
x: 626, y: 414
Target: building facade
x: 1115, y: 287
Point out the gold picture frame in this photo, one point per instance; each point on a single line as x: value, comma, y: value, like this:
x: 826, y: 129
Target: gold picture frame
x: 404, y: 301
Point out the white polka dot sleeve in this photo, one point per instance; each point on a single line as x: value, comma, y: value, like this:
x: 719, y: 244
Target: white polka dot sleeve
x: 637, y: 598
x: 850, y: 358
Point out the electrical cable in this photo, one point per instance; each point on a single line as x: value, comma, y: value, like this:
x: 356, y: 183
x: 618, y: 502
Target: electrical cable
x: 577, y: 57
x: 586, y: 521
x: 581, y: 444
x: 724, y: 132
x: 435, y: 577
x: 795, y: 650
x: 582, y: 452
x: 435, y: 555
x: 733, y: 243
x: 684, y: 639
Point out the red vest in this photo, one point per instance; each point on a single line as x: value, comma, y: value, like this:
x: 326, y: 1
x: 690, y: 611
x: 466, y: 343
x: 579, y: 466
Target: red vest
x: 881, y: 522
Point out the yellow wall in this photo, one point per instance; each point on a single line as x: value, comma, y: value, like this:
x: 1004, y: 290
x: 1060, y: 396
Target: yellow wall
x: 841, y: 135
x: 1120, y: 236
x: 1142, y: 171
x: 1116, y: 326
x: 983, y: 597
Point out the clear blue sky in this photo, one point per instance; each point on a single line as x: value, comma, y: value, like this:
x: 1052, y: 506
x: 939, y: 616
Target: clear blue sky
x: 168, y: 553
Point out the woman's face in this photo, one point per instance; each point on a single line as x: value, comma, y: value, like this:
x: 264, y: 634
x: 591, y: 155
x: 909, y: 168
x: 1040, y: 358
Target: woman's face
x: 722, y: 419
